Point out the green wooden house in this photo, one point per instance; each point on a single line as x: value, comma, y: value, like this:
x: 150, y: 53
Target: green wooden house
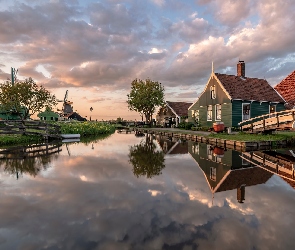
x: 48, y: 115
x: 231, y: 99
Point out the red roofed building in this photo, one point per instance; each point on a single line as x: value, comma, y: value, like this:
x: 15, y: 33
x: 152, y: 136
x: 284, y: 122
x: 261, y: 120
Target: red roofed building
x: 234, y: 98
x: 286, y: 89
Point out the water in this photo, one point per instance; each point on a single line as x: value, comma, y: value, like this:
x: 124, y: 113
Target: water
x: 110, y: 195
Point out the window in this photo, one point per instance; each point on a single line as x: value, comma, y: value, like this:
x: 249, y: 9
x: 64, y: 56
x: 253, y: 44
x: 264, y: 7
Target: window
x: 218, y: 112
x: 246, y: 111
x: 213, y: 174
x: 272, y: 110
x: 209, y: 113
x: 195, y: 148
x: 212, y: 92
x: 195, y: 115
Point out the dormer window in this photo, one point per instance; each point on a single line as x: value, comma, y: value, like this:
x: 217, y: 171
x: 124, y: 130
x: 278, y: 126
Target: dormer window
x: 212, y: 92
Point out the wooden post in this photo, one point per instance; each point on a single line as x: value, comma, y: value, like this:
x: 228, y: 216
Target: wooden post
x: 263, y: 123
x: 278, y: 122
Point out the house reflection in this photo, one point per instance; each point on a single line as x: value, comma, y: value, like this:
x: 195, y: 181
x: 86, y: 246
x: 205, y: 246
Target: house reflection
x: 172, y: 145
x: 226, y: 170
x: 28, y: 159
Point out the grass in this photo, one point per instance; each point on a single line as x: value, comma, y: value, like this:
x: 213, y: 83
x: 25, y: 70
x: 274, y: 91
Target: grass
x: 239, y: 136
x: 18, y: 139
x: 255, y: 137
x: 86, y: 128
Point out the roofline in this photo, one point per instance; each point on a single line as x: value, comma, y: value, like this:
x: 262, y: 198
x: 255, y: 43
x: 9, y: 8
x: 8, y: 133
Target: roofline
x: 172, y: 109
x: 203, y: 90
x: 225, y: 91
x: 279, y: 95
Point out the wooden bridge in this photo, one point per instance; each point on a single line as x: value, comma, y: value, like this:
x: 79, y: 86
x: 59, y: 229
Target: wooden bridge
x: 47, y: 130
x: 267, y: 123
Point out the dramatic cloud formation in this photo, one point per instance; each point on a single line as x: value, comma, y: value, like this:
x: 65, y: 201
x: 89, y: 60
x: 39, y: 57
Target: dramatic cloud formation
x: 106, y: 44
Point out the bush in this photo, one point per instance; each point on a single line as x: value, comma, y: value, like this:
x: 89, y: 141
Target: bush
x: 185, y: 125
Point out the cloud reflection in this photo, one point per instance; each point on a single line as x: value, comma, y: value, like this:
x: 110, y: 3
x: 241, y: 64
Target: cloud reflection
x: 116, y: 210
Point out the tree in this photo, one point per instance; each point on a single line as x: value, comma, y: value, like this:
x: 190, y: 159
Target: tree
x: 145, y: 96
x: 25, y: 98
x: 146, y: 160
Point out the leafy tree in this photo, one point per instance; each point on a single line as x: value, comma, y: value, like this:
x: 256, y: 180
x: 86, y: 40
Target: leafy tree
x: 146, y: 160
x: 25, y: 98
x: 145, y: 96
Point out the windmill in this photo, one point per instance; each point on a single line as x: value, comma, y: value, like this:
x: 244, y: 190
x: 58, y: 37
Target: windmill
x: 67, y: 108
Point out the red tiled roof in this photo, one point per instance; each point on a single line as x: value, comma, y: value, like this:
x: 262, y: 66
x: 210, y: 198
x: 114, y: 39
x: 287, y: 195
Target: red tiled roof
x: 180, y: 108
x: 248, y: 88
x: 286, y: 88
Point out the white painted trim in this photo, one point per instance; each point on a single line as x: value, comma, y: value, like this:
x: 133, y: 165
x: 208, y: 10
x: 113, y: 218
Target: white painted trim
x: 272, y: 105
x: 216, y: 112
x: 223, y: 88
x: 171, y: 109
x: 243, y: 110
x: 211, y: 115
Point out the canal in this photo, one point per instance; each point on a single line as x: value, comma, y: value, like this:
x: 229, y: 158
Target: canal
x: 145, y: 192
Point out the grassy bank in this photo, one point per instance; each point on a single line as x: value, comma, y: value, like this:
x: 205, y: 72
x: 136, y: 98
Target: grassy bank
x: 237, y: 136
x: 86, y: 128
x: 19, y: 139
x: 255, y: 137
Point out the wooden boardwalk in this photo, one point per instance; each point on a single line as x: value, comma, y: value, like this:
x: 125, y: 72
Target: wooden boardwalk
x: 283, y: 120
x: 47, y: 130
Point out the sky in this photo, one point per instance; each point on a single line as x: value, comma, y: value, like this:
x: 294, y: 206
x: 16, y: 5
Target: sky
x: 95, y: 49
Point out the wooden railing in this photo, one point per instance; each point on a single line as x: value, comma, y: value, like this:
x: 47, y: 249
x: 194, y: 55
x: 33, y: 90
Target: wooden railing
x: 280, y: 167
x: 273, y: 121
x: 30, y: 128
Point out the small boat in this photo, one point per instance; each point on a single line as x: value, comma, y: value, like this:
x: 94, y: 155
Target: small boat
x: 70, y: 136
x: 71, y: 140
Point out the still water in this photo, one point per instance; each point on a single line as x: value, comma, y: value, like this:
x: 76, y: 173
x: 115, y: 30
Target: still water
x: 128, y: 192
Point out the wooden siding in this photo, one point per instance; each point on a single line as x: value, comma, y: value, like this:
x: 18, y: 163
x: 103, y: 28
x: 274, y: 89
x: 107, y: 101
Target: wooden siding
x: 280, y: 107
x: 205, y: 100
x: 256, y: 109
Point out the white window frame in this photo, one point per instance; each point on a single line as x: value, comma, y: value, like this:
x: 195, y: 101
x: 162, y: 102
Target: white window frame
x: 196, y: 115
x: 249, y: 115
x: 216, y: 115
x: 208, y: 119
x: 213, y: 92
x: 213, y: 173
x: 271, y: 114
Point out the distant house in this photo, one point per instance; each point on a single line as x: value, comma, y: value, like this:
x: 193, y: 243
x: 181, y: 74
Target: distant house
x: 172, y: 112
x: 286, y: 89
x: 48, y: 115
x: 231, y: 99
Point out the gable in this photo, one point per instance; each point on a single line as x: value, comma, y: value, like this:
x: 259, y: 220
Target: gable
x: 179, y: 108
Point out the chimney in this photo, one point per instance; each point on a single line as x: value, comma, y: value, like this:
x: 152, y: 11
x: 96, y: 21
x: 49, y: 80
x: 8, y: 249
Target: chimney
x: 241, y: 69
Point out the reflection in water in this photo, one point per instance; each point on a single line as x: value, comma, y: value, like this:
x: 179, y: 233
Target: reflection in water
x: 91, y: 200
x: 146, y: 159
x: 280, y: 162
x: 28, y: 159
x: 226, y: 170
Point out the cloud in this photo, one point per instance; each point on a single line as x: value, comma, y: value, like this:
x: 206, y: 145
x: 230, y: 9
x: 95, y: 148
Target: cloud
x: 107, y: 44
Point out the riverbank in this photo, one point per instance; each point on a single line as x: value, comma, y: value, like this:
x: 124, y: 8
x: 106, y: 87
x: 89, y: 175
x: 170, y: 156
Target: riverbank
x: 85, y: 129
x: 236, y: 140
